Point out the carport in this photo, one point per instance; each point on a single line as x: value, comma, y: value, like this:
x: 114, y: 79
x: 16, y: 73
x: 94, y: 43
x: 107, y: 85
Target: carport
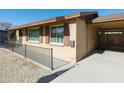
x: 111, y: 38
x: 110, y: 32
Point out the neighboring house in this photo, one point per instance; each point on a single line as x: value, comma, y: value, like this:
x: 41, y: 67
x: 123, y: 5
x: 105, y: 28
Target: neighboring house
x: 3, y: 36
x: 72, y: 37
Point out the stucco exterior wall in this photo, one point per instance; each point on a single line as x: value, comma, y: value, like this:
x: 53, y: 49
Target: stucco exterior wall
x: 24, y: 37
x: 84, y: 35
x: 44, y: 37
x: 72, y: 29
x: 17, y: 35
x: 91, y: 37
x: 66, y: 53
x: 85, y: 40
x: 81, y: 39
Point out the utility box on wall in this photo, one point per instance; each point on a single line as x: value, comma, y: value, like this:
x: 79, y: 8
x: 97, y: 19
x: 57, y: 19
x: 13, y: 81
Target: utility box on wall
x: 72, y: 43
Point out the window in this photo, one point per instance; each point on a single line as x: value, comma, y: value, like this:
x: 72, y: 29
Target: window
x: 57, y: 35
x: 33, y: 34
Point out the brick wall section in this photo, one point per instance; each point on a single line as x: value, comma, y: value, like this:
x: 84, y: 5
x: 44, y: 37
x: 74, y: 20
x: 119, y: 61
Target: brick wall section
x: 66, y: 35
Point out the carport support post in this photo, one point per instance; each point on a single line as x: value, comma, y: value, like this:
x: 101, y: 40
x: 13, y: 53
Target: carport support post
x: 52, y: 59
x: 25, y: 50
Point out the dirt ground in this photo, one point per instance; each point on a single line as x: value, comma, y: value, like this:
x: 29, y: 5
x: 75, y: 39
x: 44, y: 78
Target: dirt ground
x: 14, y: 69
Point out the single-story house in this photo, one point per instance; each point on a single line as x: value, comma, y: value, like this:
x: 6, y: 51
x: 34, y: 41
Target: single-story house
x: 3, y: 36
x: 72, y: 37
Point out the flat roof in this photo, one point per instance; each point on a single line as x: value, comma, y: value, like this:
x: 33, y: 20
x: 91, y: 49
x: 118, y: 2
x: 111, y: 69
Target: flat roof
x: 109, y: 18
x: 55, y: 19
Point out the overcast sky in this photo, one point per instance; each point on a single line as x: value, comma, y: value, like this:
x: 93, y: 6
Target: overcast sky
x: 18, y: 17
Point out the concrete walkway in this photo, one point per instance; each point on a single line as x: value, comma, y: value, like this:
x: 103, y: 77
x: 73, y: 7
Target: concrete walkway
x: 107, y: 67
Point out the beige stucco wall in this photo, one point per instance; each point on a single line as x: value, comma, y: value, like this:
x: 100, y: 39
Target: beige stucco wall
x: 66, y: 53
x: 45, y: 38
x: 17, y: 35
x: 81, y: 39
x: 24, y: 39
x: 92, y: 37
x: 72, y: 29
x: 61, y: 52
x: 83, y: 35
x: 19, y: 38
x: 86, y: 38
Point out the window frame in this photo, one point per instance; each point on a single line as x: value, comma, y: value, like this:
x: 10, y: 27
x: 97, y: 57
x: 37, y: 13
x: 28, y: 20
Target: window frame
x: 34, y: 41
x: 56, y: 43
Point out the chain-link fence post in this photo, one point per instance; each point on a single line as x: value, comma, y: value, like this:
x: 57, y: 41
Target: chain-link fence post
x: 12, y: 47
x: 52, y: 59
x: 25, y: 50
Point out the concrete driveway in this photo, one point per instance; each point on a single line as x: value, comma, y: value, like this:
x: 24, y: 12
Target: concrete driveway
x: 107, y: 67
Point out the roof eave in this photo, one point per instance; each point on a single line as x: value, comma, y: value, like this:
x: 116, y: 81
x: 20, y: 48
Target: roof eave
x: 56, y: 19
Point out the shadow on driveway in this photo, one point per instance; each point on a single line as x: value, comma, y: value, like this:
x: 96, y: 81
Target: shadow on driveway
x: 48, y: 78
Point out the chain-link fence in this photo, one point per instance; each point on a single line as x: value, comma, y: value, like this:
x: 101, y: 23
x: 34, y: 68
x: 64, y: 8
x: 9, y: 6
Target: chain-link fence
x: 41, y: 55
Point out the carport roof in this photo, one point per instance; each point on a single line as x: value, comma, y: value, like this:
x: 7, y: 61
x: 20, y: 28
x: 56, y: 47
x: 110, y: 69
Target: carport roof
x: 55, y: 19
x: 109, y: 18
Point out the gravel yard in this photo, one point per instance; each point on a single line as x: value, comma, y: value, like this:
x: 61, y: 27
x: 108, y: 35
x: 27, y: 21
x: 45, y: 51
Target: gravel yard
x: 14, y: 69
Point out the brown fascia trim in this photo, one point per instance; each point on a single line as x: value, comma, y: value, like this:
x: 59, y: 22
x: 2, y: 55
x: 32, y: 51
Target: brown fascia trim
x: 52, y: 20
x: 81, y: 14
x: 34, y: 24
x: 60, y: 18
